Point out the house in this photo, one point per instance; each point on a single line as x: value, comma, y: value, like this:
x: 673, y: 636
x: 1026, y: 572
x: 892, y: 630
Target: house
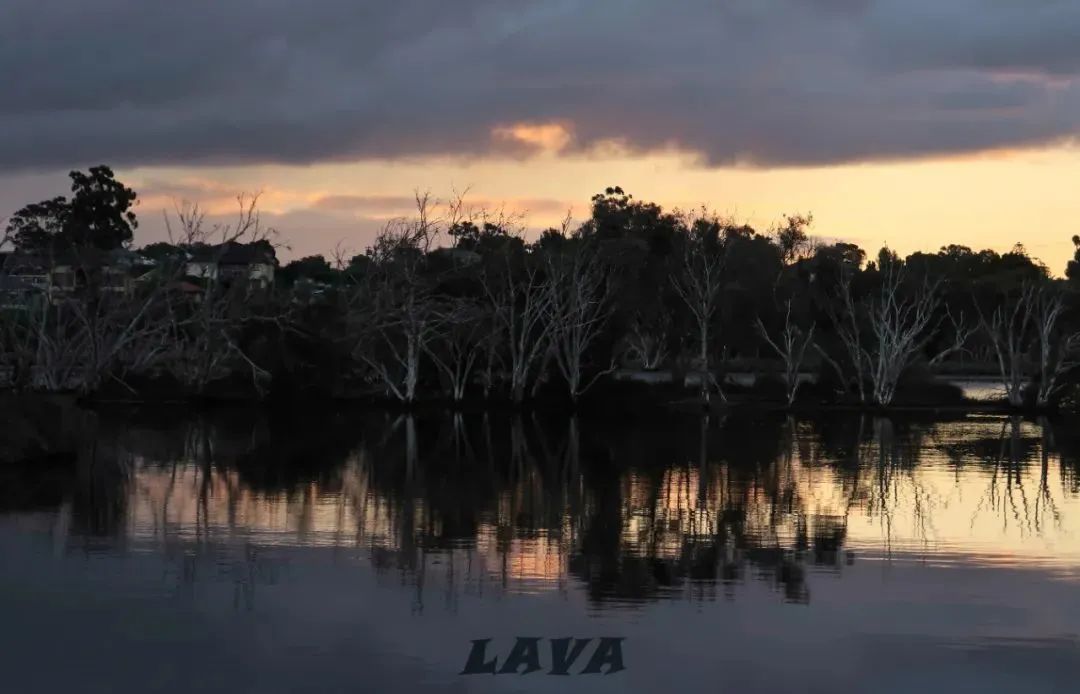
x: 253, y: 263
x: 17, y: 295
x: 33, y: 269
x: 62, y: 274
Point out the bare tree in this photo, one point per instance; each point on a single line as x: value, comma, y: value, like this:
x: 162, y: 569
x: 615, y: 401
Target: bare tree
x: 459, y: 344
x: 116, y: 332
x: 903, y: 318
x: 577, y: 311
x: 903, y: 324
x: 491, y: 353
x: 400, y: 325
x: 646, y: 341
x: 1057, y: 352
x: 1026, y: 338
x: 699, y: 283
x: 1009, y: 330
x: 90, y: 327
x: 393, y: 312
x: 845, y: 319
x: 791, y: 346
x: 520, y: 299
x: 399, y: 316
x: 52, y: 352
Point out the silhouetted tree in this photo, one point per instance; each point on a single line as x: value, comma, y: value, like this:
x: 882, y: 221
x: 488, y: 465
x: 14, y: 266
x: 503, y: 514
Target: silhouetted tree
x: 98, y: 215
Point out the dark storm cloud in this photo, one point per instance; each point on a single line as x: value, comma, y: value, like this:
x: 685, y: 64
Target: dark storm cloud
x: 757, y: 81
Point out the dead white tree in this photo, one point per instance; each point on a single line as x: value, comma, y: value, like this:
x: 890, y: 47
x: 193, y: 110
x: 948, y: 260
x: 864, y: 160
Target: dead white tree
x: 86, y: 331
x: 902, y: 318
x: 903, y: 324
x: 1057, y: 351
x: 519, y: 297
x: 54, y: 350
x: 459, y: 344
x: 399, y: 316
x: 492, y: 351
x: 577, y: 311
x: 791, y: 347
x: 400, y: 328
x: 393, y: 312
x: 1009, y: 329
x: 845, y: 319
x: 646, y: 341
x: 699, y: 283
x: 117, y: 332
x: 1027, y: 341
x: 91, y: 323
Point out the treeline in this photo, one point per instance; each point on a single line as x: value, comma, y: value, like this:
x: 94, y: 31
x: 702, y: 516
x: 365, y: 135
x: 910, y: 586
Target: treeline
x: 453, y: 304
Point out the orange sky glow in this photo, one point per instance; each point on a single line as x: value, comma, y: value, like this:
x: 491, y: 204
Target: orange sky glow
x: 989, y: 200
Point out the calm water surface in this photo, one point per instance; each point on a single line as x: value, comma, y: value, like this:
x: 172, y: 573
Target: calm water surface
x: 362, y: 553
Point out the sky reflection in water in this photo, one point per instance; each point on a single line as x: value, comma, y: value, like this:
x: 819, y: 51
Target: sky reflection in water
x: 362, y: 552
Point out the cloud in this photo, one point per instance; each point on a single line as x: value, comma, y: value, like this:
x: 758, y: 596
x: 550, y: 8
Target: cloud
x: 760, y: 82
x: 366, y: 204
x: 535, y: 137
x: 382, y: 206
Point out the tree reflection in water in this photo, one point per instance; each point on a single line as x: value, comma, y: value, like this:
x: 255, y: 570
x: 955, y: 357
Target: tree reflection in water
x: 467, y: 504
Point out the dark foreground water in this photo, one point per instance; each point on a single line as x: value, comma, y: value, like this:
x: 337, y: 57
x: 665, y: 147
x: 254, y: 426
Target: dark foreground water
x: 364, y: 553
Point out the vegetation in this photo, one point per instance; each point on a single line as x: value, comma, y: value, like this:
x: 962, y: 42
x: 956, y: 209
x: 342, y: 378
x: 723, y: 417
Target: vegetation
x: 456, y: 305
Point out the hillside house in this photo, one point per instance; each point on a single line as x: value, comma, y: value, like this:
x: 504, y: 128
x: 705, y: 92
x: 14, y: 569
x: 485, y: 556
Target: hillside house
x: 253, y: 263
x: 58, y: 275
x: 17, y: 295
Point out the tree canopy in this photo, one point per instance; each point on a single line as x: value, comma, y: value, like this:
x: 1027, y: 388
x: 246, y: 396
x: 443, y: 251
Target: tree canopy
x: 97, y: 215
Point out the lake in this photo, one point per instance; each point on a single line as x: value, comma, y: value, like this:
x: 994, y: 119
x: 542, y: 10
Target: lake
x: 365, y: 552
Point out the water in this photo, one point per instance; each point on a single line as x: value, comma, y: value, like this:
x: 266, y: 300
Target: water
x: 364, y: 552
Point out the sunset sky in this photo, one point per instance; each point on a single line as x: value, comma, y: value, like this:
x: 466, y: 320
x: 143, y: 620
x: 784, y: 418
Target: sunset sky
x: 912, y: 123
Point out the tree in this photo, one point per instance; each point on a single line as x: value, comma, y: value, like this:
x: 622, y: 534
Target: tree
x: 459, y: 343
x: 519, y: 297
x: 1072, y: 270
x: 1029, y: 324
x: 98, y: 216
x: 845, y: 318
x: 646, y: 339
x: 903, y: 323
x: 163, y: 252
x: 577, y: 311
x: 1057, y: 348
x: 1009, y: 331
x: 698, y: 282
x: 791, y: 237
x: 791, y: 347
x: 901, y: 318
x: 398, y: 317
x: 315, y: 268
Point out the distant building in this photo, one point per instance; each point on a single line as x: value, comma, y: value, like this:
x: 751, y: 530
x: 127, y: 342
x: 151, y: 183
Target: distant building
x: 61, y: 274
x: 17, y: 295
x: 29, y: 268
x: 251, y: 262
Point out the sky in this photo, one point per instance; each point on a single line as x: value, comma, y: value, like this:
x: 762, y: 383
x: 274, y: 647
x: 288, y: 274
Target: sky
x: 907, y: 123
